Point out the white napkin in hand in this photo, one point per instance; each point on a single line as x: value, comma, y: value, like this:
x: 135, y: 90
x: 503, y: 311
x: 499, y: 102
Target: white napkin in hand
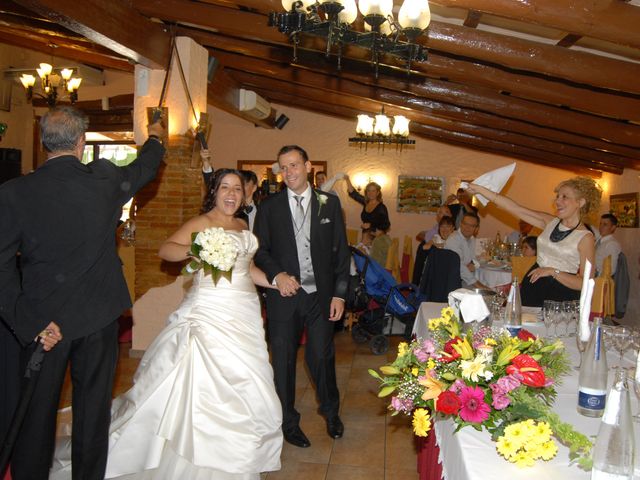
x: 469, y: 304
x: 495, y: 180
x: 588, y: 284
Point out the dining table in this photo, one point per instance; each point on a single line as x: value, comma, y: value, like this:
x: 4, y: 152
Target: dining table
x: 471, y: 455
x: 493, y: 274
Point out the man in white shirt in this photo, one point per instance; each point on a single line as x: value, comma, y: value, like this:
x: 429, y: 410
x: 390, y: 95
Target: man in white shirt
x: 463, y: 242
x: 607, y: 245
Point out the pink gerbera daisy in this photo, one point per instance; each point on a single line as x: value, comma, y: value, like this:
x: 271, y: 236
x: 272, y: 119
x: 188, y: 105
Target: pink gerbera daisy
x: 473, y: 407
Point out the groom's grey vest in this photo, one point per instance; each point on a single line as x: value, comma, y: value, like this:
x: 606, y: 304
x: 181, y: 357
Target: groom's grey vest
x: 303, y: 245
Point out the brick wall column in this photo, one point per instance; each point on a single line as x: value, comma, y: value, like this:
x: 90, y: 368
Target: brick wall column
x: 163, y: 206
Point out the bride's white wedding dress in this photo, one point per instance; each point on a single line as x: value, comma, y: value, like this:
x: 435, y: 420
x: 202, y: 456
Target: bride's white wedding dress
x: 203, y: 404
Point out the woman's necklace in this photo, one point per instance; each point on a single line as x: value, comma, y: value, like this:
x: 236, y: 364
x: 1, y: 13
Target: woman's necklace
x: 558, y: 235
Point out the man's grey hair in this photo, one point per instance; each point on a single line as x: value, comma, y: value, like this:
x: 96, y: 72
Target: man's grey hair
x: 61, y: 128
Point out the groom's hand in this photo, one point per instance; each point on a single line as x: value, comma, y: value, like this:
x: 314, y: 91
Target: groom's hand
x: 50, y: 336
x: 336, y: 309
x: 287, y: 284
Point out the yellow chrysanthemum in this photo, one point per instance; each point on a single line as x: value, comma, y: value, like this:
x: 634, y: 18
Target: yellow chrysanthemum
x: 548, y: 450
x: 447, y: 313
x: 506, y: 448
x: 434, y: 323
x: 534, y: 449
x: 431, y: 364
x: 421, y: 422
x: 403, y: 348
x: 523, y: 459
x: 517, y: 434
x: 542, y: 432
x: 490, y: 341
x: 415, y: 371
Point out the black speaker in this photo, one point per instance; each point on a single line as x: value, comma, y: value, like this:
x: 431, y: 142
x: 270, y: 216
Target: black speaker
x: 10, y: 163
x: 281, y: 121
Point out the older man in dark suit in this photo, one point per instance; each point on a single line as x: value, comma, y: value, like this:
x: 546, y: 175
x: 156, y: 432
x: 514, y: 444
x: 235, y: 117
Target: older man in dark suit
x: 303, y: 251
x: 62, y: 218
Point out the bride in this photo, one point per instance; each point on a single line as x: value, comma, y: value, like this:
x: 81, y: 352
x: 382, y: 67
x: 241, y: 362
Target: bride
x: 203, y: 404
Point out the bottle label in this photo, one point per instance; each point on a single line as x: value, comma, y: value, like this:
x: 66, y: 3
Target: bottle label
x: 591, y: 398
x: 513, y: 329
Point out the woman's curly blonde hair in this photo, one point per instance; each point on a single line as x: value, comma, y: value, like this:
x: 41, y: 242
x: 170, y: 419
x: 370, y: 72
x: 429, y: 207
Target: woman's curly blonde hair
x: 586, y: 188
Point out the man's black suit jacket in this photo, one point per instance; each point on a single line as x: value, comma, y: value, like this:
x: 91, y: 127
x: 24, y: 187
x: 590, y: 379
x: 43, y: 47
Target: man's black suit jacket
x: 277, y: 251
x: 62, y: 219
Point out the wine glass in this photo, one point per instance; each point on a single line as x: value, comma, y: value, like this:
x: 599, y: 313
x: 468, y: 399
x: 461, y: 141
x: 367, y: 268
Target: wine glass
x: 547, y: 316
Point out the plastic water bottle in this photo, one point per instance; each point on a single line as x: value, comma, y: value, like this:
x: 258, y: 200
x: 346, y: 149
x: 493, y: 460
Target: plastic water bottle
x: 592, y: 383
x: 613, y: 453
x: 513, y: 312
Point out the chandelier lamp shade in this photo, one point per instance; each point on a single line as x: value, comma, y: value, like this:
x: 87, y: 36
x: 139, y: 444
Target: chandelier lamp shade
x: 333, y: 19
x: 382, y: 130
x: 51, y: 82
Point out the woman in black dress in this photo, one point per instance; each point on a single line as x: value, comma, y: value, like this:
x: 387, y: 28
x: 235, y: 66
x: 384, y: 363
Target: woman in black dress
x: 374, y: 214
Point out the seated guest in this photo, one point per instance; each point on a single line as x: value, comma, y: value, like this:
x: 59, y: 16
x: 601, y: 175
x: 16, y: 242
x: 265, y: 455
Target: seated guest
x: 607, y: 245
x: 380, y: 247
x: 460, y: 208
x: 427, y: 235
x: 564, y: 245
x: 463, y: 242
x: 445, y: 228
x: 523, y: 231
x: 365, y: 243
x: 530, y: 246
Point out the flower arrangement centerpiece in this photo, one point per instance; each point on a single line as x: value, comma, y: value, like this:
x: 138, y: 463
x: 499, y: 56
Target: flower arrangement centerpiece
x: 485, y: 379
x: 214, y: 251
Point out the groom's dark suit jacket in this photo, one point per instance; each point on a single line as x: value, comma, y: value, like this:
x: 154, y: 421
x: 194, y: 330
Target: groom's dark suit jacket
x: 277, y: 251
x: 62, y: 218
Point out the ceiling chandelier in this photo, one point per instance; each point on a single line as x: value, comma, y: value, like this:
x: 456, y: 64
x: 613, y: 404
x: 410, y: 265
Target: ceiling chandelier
x: 379, y: 130
x: 332, y: 19
x: 50, y: 82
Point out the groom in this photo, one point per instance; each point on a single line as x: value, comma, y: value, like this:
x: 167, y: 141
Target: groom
x: 303, y: 251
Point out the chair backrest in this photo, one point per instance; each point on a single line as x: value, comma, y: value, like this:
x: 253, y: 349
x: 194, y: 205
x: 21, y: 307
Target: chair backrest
x: 406, y: 262
x: 441, y: 275
x: 520, y: 266
x: 622, y: 285
x: 352, y: 236
x: 393, y: 261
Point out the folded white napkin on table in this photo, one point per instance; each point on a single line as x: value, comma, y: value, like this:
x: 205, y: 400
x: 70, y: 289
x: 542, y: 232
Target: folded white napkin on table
x: 469, y: 304
x: 586, y: 293
x: 495, y: 180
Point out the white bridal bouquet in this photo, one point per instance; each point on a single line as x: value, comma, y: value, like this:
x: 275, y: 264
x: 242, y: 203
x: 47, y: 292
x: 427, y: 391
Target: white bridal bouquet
x: 214, y: 251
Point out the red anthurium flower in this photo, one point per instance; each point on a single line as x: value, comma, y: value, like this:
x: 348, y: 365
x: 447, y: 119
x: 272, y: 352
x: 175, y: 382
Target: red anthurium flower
x: 525, y: 335
x: 450, y: 354
x: 448, y: 403
x: 529, y: 369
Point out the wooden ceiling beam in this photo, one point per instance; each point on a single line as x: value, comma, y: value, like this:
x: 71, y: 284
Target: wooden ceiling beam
x: 372, y: 104
x: 460, y: 71
x: 612, y: 21
x: 392, y: 91
x: 64, y: 49
x: 434, y: 133
x: 114, y: 25
x: 512, y: 53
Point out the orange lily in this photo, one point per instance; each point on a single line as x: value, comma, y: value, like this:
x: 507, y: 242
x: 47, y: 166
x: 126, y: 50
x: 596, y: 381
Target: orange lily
x: 433, y: 388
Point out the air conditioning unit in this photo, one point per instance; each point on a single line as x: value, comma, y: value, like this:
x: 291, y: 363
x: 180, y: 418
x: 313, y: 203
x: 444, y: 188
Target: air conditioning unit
x: 253, y: 104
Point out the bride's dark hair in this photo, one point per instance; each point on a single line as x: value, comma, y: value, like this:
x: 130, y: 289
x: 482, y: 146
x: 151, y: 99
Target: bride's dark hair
x: 210, y: 198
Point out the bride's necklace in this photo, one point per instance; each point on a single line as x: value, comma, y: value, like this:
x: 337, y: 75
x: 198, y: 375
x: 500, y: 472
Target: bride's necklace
x: 558, y: 235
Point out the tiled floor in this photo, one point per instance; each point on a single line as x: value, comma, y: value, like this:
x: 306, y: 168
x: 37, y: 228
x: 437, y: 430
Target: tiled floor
x: 375, y: 446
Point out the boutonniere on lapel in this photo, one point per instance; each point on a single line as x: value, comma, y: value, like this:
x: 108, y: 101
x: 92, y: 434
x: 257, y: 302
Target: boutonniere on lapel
x: 322, y: 200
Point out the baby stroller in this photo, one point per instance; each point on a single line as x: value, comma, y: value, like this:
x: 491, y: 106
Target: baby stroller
x: 388, y: 301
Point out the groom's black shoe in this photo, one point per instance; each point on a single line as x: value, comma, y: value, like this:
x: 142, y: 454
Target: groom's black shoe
x: 295, y: 436
x: 335, y: 428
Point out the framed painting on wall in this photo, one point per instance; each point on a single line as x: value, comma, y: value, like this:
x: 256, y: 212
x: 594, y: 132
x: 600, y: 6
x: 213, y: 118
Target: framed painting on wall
x: 419, y: 194
x: 625, y: 207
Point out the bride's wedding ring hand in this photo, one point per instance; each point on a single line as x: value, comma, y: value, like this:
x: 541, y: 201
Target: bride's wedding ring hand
x: 287, y: 284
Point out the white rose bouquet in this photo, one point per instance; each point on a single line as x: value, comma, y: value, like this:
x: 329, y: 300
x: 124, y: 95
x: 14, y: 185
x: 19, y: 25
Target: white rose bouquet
x: 214, y: 251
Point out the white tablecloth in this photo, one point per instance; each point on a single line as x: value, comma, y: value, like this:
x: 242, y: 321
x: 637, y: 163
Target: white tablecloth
x: 493, y: 277
x: 471, y: 455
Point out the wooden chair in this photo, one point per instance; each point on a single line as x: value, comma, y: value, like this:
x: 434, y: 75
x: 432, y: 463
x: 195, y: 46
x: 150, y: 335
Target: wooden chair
x: 393, y: 263
x: 520, y: 266
x: 352, y: 236
x: 604, y: 292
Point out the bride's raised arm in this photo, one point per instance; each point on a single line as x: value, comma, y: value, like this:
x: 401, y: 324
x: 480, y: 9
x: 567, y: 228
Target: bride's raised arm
x: 177, y: 246
x: 259, y: 277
